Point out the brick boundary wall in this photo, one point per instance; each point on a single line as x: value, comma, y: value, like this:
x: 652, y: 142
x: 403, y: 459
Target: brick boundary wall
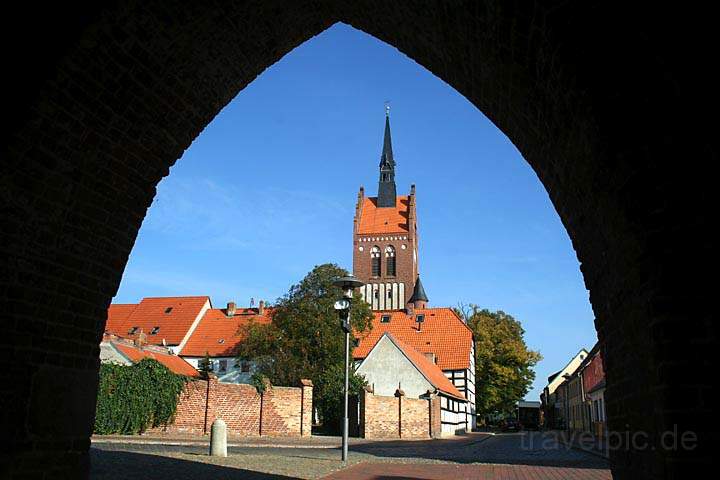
x: 384, y: 417
x: 279, y: 412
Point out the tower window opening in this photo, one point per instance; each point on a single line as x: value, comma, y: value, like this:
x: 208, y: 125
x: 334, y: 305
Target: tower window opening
x: 375, y: 261
x: 390, y: 261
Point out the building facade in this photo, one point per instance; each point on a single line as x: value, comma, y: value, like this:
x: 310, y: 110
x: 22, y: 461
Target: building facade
x: 554, y: 399
x: 392, y: 365
x: 593, y: 381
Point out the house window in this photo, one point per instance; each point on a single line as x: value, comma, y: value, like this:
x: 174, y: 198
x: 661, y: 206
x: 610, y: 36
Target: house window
x: 168, y: 309
x: 245, y: 367
x: 390, y: 261
x: 375, y: 261
x: 385, y: 319
x: 223, y: 366
x: 154, y: 330
x: 133, y: 330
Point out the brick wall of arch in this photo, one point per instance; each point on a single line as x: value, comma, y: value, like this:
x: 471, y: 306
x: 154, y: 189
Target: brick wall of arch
x: 608, y: 104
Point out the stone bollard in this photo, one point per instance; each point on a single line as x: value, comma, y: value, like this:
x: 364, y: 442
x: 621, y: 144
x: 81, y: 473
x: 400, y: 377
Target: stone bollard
x: 218, y: 439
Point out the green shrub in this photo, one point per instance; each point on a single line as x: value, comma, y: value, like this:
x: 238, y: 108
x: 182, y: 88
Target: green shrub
x: 134, y: 398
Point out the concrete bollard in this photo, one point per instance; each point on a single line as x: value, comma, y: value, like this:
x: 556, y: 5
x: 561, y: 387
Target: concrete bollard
x: 218, y: 439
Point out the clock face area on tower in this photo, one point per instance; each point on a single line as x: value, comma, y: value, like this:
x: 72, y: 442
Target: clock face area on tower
x: 385, y: 239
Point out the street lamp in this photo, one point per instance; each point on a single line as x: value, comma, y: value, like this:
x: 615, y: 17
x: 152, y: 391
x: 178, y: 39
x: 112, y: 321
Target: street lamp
x: 347, y: 285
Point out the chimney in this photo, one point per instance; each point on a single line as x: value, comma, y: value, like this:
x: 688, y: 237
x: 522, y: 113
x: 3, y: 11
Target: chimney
x: 140, y: 340
x: 430, y: 356
x: 230, y: 311
x: 261, y: 307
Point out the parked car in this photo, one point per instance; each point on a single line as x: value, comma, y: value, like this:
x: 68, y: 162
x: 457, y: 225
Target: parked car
x: 510, y: 424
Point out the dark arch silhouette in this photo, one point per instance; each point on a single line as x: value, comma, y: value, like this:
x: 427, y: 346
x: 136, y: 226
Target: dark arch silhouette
x: 607, y: 103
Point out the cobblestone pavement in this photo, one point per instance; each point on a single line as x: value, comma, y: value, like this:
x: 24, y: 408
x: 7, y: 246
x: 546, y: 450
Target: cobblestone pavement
x: 511, y: 456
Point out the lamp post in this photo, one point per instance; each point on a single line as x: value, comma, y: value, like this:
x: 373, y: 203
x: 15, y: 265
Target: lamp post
x: 347, y: 284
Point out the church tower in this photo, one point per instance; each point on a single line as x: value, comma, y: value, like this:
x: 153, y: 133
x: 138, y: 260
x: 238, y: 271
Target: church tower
x: 385, y: 241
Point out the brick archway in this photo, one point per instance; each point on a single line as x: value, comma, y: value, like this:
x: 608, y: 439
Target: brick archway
x: 606, y: 104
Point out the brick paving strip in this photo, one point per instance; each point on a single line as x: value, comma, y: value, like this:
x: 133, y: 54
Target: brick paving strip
x: 388, y: 471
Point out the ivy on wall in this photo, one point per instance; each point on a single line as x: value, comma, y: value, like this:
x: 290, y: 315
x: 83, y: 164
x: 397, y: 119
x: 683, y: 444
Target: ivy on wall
x: 136, y: 397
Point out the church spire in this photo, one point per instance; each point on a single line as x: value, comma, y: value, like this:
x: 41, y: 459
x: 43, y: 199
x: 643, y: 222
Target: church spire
x: 386, y: 186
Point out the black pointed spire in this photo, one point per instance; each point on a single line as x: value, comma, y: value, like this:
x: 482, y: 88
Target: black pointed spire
x: 386, y: 187
x: 419, y: 294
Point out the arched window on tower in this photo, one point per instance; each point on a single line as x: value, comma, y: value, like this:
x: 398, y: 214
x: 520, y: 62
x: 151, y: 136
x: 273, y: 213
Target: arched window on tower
x: 375, y: 261
x: 390, y: 261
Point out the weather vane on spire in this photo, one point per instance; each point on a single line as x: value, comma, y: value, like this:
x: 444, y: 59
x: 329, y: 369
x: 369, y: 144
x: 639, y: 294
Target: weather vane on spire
x: 387, y: 108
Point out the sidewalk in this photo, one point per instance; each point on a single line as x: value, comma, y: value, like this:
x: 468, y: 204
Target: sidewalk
x: 315, y: 441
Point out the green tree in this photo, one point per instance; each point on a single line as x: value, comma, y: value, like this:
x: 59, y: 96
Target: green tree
x: 205, y: 366
x: 503, y: 362
x: 330, y: 399
x: 304, y: 339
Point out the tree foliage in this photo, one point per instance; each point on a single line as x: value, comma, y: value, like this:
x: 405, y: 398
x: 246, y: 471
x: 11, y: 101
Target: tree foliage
x: 136, y: 397
x: 304, y: 339
x: 503, y: 362
x: 205, y: 366
x: 330, y: 399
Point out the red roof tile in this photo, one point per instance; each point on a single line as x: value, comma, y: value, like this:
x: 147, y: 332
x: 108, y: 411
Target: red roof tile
x: 174, y: 316
x: 429, y: 370
x: 118, y: 313
x: 442, y: 333
x: 219, y: 335
x: 173, y: 362
x: 383, y: 220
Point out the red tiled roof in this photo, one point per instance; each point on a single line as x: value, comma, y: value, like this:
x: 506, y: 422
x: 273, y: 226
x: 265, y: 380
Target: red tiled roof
x: 442, y: 333
x: 429, y: 370
x: 119, y: 313
x: 151, y: 313
x: 173, y: 362
x: 383, y: 220
x: 216, y: 326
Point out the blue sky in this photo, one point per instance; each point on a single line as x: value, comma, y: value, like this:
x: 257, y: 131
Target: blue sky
x: 268, y: 190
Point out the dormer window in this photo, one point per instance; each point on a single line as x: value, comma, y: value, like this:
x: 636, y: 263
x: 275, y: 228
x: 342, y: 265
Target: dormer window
x: 133, y: 330
x: 154, y: 330
x: 385, y: 319
x: 168, y: 310
x: 420, y: 318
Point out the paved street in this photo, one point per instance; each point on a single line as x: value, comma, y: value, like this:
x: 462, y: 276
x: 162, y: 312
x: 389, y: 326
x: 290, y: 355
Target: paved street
x: 511, y: 456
